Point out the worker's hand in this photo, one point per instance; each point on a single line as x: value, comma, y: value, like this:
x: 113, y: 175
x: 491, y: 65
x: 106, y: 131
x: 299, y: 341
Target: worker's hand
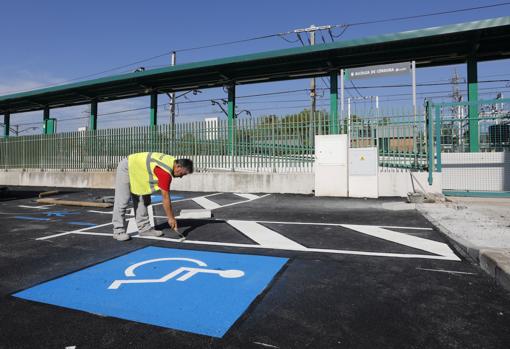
x: 172, y: 223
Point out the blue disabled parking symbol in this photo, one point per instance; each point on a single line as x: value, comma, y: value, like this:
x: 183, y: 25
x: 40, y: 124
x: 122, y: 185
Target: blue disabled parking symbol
x: 188, y: 290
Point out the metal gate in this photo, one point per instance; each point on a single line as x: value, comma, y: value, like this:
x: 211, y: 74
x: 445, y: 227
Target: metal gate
x: 472, y: 146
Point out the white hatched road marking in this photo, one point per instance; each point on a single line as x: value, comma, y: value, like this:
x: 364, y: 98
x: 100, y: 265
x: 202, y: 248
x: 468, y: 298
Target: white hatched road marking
x: 318, y: 250
x: 206, y: 203
x: 431, y: 246
x: 268, y: 245
x: 247, y: 196
x: 265, y: 237
x: 269, y: 239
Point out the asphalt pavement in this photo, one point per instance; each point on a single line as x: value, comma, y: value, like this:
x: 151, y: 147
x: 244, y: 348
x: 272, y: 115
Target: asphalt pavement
x: 265, y: 271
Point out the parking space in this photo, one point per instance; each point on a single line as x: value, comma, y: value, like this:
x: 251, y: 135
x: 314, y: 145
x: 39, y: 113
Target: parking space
x: 282, y: 271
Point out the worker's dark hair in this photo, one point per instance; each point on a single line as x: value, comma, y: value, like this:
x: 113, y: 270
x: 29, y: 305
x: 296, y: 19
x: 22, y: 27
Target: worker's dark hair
x: 185, y: 163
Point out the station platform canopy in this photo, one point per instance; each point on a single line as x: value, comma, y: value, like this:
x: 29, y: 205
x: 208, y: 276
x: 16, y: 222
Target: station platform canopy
x: 452, y: 44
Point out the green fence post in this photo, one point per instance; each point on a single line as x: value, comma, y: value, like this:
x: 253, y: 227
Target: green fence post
x: 231, y: 121
x: 93, y: 116
x: 333, y: 103
x: 430, y: 140
x: 153, y: 129
x: 154, y: 109
x: 7, y: 124
x: 438, y: 139
x: 46, y: 117
x: 472, y: 73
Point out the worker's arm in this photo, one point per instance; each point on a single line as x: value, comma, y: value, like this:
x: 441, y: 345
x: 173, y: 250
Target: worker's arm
x: 167, y: 206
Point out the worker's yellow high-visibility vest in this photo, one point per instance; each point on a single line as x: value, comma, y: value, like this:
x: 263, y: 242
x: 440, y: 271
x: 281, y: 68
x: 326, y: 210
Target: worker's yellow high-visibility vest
x: 142, y: 179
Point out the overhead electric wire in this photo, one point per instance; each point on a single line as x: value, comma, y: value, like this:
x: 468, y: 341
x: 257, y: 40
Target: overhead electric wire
x: 355, y: 88
x: 430, y: 14
x: 497, y: 88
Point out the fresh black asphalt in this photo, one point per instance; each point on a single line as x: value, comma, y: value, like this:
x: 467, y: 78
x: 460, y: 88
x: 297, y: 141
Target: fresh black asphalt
x: 317, y: 300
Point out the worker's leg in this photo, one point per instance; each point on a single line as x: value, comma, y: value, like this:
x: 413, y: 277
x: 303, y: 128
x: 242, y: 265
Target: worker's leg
x: 122, y: 195
x: 141, y: 204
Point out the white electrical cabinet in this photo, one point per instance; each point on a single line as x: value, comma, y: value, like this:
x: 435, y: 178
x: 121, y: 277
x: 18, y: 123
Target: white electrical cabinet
x: 363, y: 173
x: 331, y: 175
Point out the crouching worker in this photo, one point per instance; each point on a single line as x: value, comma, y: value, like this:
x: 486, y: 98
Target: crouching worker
x: 139, y: 176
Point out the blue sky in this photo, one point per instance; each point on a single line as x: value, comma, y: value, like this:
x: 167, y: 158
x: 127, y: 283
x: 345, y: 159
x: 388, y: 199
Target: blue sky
x: 48, y: 42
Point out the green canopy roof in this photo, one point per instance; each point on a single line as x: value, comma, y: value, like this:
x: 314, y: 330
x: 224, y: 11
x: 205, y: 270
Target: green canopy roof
x: 483, y: 40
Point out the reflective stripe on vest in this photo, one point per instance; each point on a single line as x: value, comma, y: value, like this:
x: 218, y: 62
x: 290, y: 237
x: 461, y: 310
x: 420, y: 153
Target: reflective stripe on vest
x: 141, y: 166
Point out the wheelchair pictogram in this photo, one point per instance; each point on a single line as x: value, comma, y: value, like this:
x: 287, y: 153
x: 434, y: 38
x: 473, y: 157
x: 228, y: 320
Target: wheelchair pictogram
x: 184, y: 272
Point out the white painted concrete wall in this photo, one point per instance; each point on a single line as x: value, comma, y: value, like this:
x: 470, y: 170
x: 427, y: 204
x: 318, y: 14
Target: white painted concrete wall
x: 399, y: 182
x: 391, y: 182
x: 476, y: 171
x: 299, y: 183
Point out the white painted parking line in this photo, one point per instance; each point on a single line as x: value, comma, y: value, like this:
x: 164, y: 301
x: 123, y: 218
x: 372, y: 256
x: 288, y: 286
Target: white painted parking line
x: 407, y: 228
x: 206, y: 203
x: 243, y: 202
x: 447, y: 271
x: 340, y: 224
x: 131, y: 211
x: 74, y: 231
x: 266, y: 345
x: 318, y: 250
x: 268, y: 239
x: 42, y: 207
x: 247, y: 196
x: 201, y: 200
x: 264, y: 236
x: 131, y: 226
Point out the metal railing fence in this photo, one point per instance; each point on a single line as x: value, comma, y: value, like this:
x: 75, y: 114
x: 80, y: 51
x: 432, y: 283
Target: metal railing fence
x: 471, y: 144
x: 264, y: 144
x: 398, y: 133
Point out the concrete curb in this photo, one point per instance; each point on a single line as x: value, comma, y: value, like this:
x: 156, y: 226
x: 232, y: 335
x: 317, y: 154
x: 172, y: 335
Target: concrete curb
x: 495, y: 262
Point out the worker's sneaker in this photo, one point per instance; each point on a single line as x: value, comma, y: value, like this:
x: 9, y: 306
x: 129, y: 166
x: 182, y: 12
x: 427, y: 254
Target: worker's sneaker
x: 151, y: 232
x: 121, y: 236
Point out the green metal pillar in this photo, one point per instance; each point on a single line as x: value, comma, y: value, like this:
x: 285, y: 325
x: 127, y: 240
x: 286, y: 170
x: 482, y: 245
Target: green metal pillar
x: 154, y: 109
x: 46, y: 118
x: 93, y: 116
x: 231, y: 117
x: 333, y: 103
x: 7, y: 124
x: 429, y: 107
x: 472, y: 74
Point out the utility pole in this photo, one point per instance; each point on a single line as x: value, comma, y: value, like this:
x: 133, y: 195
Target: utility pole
x: 311, y: 30
x: 172, y: 97
x: 313, y: 90
x: 457, y: 111
x: 313, y: 93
